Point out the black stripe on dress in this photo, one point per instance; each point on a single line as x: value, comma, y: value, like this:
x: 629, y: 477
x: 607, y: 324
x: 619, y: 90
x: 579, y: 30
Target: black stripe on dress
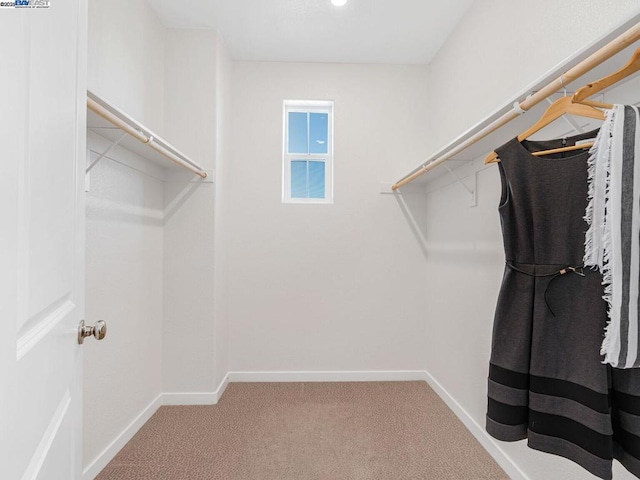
x: 508, y: 378
x: 627, y: 403
x: 561, y: 427
x: 628, y: 441
x: 562, y: 388
x: 507, y: 414
x: 553, y: 387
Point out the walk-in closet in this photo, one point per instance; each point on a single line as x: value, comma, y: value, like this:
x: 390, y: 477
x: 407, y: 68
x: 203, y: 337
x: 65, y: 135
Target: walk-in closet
x: 321, y: 239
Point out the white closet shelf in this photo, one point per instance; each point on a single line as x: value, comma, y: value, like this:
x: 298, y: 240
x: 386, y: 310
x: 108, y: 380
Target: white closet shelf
x: 508, y: 121
x: 119, y: 128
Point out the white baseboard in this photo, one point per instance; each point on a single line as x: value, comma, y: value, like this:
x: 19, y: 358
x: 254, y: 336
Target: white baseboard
x: 319, y: 376
x: 189, y: 398
x: 222, y: 387
x: 489, y: 444
x: 196, y: 398
x: 120, y: 441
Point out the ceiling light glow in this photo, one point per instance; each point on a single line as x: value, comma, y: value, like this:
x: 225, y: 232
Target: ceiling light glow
x: 338, y: 3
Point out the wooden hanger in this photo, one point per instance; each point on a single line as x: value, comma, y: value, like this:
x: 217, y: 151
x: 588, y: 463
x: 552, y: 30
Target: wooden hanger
x: 560, y: 107
x: 632, y: 66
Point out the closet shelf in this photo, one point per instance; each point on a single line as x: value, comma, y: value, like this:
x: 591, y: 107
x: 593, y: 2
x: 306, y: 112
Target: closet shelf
x: 477, y: 141
x: 116, y: 126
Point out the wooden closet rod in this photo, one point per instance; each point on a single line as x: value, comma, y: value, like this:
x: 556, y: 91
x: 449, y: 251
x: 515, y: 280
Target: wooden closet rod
x: 137, y: 134
x: 612, y: 48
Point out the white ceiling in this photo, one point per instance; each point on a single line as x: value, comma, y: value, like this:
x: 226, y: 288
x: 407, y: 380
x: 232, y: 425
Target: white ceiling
x: 363, y: 31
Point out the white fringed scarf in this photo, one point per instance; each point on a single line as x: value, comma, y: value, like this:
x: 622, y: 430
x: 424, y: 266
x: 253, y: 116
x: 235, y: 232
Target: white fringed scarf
x: 612, y: 242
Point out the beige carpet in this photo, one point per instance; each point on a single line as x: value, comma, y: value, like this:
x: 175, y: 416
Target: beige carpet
x: 307, y: 431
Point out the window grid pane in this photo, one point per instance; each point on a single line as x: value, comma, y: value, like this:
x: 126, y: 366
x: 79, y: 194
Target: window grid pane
x: 316, y: 174
x: 299, y: 179
x: 298, y: 132
x: 318, y: 133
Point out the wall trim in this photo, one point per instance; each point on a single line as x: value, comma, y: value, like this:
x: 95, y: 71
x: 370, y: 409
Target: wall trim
x: 222, y: 387
x: 328, y: 376
x: 189, y: 398
x: 101, y: 461
x: 489, y: 444
x: 196, y: 398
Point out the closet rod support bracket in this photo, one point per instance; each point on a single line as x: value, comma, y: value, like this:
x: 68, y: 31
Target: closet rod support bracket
x: 472, y: 191
x: 106, y: 152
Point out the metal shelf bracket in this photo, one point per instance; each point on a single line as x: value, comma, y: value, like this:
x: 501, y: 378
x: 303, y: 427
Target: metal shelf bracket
x: 106, y: 152
x: 472, y: 191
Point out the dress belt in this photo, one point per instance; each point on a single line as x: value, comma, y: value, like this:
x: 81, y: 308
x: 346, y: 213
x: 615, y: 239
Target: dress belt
x: 578, y: 270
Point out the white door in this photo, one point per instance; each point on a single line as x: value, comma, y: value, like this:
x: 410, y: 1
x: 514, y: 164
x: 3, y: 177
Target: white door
x: 42, y: 138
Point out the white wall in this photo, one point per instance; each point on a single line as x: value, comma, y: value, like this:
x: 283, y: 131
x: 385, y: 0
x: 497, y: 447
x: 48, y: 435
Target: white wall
x: 150, y: 231
x: 126, y: 58
x: 495, y: 52
x: 500, y: 47
x: 224, y: 86
x: 122, y: 374
x: 325, y: 287
x: 190, y: 121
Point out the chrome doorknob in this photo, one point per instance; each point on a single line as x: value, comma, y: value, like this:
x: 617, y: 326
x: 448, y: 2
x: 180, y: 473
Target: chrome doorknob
x: 99, y: 331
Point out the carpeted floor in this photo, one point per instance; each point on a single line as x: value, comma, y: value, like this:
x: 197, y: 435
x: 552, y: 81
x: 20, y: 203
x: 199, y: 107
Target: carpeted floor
x: 307, y: 431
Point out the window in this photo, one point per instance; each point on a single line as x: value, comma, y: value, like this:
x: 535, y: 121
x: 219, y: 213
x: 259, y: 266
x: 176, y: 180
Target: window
x: 308, y: 152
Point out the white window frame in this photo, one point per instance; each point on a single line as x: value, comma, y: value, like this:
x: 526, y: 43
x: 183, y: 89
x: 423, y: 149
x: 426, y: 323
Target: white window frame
x: 304, y: 106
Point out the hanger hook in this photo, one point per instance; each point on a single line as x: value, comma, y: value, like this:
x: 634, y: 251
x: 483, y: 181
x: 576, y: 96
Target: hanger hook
x: 564, y: 87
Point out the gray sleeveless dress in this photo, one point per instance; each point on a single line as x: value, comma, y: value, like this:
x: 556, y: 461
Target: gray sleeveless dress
x: 547, y: 382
